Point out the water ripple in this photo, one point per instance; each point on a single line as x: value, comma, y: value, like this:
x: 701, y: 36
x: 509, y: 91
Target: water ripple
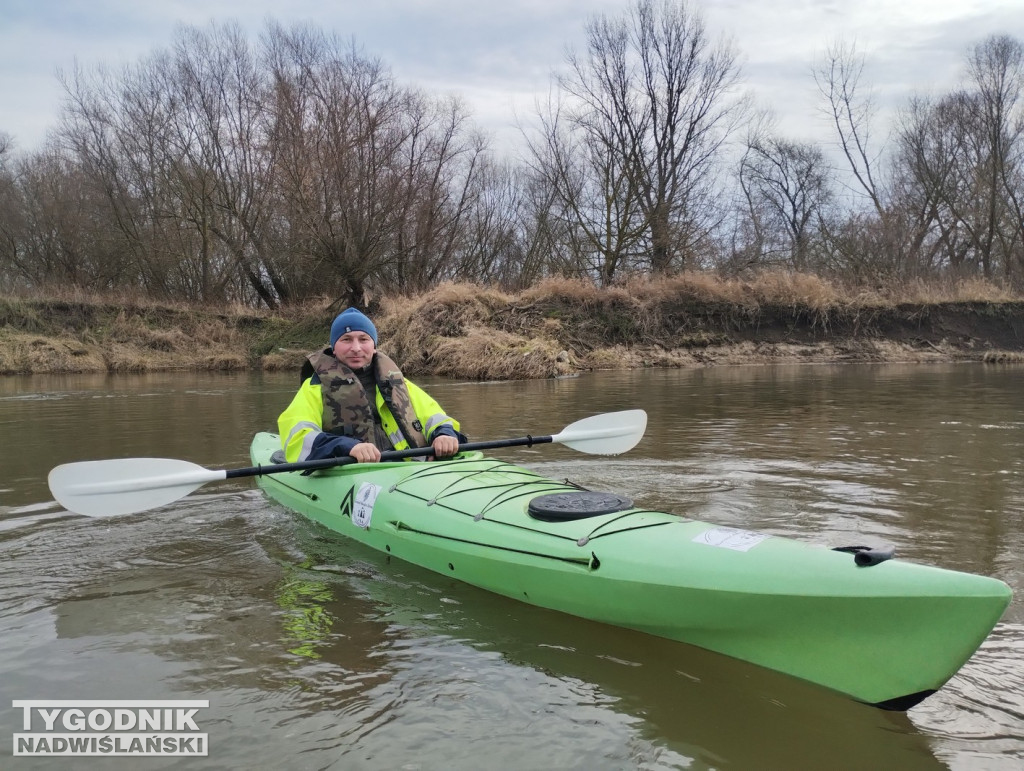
x: 978, y: 717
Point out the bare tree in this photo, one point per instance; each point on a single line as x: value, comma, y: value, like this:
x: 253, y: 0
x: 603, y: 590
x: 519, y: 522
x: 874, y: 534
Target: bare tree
x: 596, y: 197
x: 11, y: 229
x: 923, y: 168
x: 499, y: 246
x: 788, y: 184
x: 377, y: 180
x: 223, y: 162
x: 634, y: 147
x: 892, y: 238
x: 443, y: 181
x: 996, y: 70
x: 850, y: 108
x: 959, y: 165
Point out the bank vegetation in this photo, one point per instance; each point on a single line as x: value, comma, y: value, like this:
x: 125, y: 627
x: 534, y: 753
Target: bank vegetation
x: 270, y: 173
x: 216, y: 201
x: 555, y: 328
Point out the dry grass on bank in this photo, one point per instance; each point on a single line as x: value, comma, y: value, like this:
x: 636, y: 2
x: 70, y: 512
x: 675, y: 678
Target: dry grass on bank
x: 125, y: 298
x: 131, y: 344
x: 562, y: 325
x: 26, y: 353
x: 778, y: 288
x: 73, y: 334
x: 556, y: 327
x: 451, y: 329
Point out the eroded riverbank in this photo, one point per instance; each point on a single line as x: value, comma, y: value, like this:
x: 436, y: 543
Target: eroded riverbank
x: 556, y: 329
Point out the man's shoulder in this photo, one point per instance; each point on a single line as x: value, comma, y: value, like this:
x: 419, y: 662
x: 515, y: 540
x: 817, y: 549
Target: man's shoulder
x: 309, y: 365
x: 308, y: 373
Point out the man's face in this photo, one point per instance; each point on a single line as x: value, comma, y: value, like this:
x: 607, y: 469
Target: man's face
x: 354, y: 349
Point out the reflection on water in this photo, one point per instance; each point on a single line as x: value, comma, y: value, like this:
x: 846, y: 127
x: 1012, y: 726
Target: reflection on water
x: 666, y: 702
x: 316, y: 653
x: 308, y: 623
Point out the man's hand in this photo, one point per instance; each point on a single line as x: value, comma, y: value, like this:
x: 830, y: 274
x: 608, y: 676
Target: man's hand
x: 365, y: 452
x: 445, y: 446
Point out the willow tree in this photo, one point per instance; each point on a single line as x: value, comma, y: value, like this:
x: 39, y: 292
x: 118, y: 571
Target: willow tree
x: 378, y: 181
x: 176, y: 145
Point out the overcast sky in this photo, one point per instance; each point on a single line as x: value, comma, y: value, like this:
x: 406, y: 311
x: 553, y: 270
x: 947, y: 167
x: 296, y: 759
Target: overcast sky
x: 499, y: 54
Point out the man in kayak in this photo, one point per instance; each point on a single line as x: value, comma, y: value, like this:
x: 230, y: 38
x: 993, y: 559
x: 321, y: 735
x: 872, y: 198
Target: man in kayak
x: 333, y: 414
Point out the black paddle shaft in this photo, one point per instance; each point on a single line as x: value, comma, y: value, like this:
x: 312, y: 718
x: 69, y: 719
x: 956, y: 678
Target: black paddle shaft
x: 415, y: 452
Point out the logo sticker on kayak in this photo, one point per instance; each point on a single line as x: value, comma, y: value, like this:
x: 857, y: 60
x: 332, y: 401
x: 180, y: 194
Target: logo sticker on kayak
x: 362, y: 508
x: 730, y: 538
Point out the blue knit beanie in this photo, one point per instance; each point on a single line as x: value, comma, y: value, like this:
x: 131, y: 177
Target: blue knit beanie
x: 351, y: 320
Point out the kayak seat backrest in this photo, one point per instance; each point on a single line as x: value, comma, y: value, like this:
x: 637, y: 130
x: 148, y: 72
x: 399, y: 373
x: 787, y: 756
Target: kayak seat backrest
x: 578, y: 504
x: 278, y: 457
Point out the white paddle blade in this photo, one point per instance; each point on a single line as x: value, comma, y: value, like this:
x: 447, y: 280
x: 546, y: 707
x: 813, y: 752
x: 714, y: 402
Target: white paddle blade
x: 107, y: 488
x: 607, y: 434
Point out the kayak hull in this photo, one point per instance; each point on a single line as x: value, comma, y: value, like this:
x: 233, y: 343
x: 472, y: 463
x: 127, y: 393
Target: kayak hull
x: 888, y: 634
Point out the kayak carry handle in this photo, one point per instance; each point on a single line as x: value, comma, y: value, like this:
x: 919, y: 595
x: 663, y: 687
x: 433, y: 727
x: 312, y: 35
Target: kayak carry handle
x: 866, y: 556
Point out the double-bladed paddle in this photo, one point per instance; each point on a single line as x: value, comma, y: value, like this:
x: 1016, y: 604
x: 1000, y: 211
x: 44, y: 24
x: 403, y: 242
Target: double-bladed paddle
x: 106, y: 488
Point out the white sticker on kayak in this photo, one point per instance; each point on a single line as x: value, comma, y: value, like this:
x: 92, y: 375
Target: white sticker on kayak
x: 362, y: 508
x: 730, y: 538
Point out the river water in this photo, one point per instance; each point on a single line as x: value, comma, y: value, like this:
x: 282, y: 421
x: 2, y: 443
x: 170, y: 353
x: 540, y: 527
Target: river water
x: 316, y: 653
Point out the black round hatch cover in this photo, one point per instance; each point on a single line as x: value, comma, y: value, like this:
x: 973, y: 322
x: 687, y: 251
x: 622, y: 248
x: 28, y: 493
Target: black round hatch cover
x: 558, y: 507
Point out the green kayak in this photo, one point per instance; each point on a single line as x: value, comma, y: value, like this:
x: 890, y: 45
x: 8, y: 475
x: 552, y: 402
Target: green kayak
x: 882, y: 631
